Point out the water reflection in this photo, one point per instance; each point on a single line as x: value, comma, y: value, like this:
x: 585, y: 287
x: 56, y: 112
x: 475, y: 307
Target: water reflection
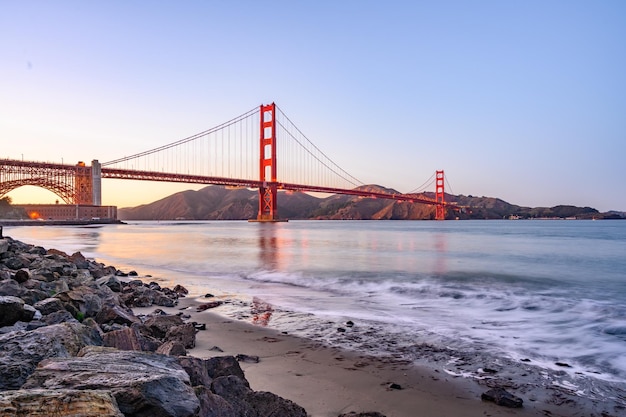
x: 268, y: 246
x: 441, y: 253
x: 89, y: 237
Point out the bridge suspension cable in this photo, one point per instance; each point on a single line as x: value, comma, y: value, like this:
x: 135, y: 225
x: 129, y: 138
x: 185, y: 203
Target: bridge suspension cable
x: 228, y: 150
x: 301, y: 162
x: 428, y: 183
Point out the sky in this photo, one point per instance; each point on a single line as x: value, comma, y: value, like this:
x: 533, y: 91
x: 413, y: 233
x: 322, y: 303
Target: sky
x: 520, y: 100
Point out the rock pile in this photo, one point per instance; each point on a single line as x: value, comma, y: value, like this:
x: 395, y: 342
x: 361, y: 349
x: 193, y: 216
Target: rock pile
x: 71, y: 345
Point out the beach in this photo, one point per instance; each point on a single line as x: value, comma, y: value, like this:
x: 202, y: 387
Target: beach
x: 327, y: 381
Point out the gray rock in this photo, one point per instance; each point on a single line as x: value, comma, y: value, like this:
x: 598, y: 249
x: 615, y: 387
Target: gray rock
x: 159, y: 325
x: 246, y: 402
x: 185, y: 334
x: 79, y: 260
x: 502, y: 397
x: 22, y: 275
x: 11, y: 310
x: 49, y: 306
x: 20, y: 352
x: 12, y: 288
x: 29, y: 312
x: 84, y: 299
x: 148, y: 342
x: 16, y: 262
x: 204, y: 371
x: 116, y: 314
x: 123, y: 339
x: 234, y: 390
x: 58, y: 317
x: 4, y: 273
x: 172, y: 348
x: 58, y: 403
x: 143, y: 384
x: 270, y: 404
x: 212, y: 405
x: 110, y: 281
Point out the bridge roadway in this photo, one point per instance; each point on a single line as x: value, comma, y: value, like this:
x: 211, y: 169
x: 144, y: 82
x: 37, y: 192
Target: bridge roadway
x: 199, y: 179
x: 33, y: 170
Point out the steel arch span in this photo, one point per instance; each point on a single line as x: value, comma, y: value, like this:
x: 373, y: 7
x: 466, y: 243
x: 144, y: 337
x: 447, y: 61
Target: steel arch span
x: 74, y: 184
x: 63, y: 190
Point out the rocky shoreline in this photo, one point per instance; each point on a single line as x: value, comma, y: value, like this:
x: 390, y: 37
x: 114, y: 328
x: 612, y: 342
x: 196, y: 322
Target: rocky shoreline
x: 70, y: 345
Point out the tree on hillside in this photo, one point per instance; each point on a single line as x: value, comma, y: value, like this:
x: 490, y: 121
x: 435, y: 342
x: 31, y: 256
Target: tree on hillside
x: 7, y: 211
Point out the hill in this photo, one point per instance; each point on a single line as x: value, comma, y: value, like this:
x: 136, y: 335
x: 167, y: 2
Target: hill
x: 222, y: 203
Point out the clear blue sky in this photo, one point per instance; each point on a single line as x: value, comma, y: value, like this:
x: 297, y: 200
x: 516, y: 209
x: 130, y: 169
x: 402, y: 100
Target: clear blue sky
x: 522, y: 100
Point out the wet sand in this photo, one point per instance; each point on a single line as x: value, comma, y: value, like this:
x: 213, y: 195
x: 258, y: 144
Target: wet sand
x: 327, y: 381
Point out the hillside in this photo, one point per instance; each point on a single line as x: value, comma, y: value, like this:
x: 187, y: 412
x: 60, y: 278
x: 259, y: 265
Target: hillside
x: 221, y: 203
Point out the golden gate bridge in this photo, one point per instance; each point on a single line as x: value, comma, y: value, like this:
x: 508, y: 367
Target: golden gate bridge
x: 242, y: 152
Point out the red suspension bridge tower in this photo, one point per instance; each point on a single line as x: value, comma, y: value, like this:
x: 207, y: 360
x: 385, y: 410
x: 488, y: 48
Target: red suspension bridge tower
x: 268, y: 211
x: 440, y: 209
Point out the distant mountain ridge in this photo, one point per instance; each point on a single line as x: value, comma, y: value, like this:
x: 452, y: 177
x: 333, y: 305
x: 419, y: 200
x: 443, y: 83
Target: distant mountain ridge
x: 222, y: 203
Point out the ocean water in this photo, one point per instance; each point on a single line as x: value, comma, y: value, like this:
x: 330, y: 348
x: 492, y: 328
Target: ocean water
x: 542, y: 291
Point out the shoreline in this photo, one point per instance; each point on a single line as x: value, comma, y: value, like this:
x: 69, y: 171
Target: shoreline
x: 329, y: 381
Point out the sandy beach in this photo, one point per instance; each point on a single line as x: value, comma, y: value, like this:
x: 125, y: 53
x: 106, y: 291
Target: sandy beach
x: 328, y: 382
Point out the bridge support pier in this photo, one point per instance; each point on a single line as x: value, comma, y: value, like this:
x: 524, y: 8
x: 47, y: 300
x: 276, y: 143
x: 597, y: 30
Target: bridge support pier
x: 96, y: 180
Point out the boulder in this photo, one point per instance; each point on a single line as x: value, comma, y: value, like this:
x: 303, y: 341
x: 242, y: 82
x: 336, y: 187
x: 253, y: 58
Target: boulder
x: 79, y: 260
x: 14, y: 309
x: 11, y: 310
x: 246, y: 402
x: 204, y: 371
x: 4, y: 273
x: 58, y: 403
x: 51, y: 264
x: 185, y: 334
x: 12, y: 288
x: 502, y: 397
x: 37, y: 250
x: 58, y: 317
x: 172, y: 348
x: 22, y: 276
x: 136, y: 294
x: 269, y: 404
x: 110, y: 281
x: 16, y: 262
x: 116, y: 314
x: 143, y: 384
x: 212, y: 405
x: 29, y: 312
x: 59, y: 254
x: 149, y: 343
x: 21, y: 351
x: 123, y: 339
x: 49, y: 306
x: 234, y: 390
x: 159, y: 325
x: 180, y: 290
x: 84, y: 299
